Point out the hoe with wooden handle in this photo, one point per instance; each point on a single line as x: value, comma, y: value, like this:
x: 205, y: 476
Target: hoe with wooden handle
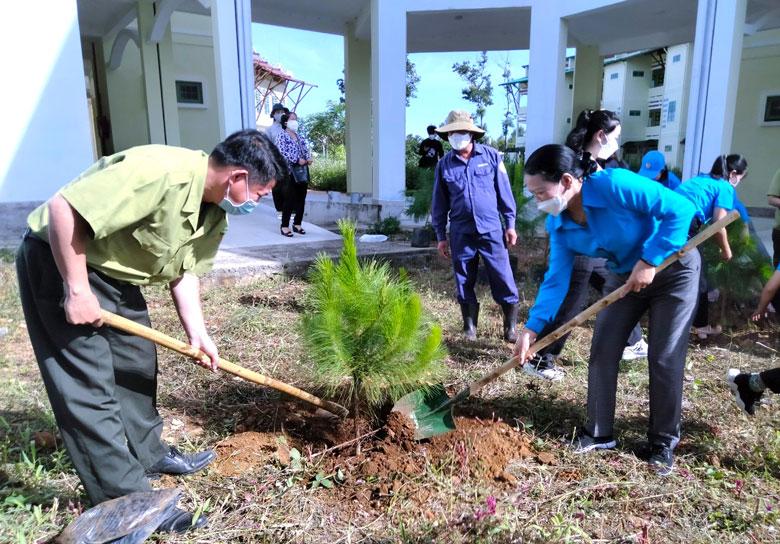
x: 162, y: 339
x: 430, y: 409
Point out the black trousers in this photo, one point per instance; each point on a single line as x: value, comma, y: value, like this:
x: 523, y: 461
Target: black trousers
x: 294, y: 203
x: 587, y: 271
x: 102, y: 383
x: 775, y: 247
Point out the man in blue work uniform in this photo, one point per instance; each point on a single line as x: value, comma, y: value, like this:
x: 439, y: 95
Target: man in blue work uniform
x: 472, y: 187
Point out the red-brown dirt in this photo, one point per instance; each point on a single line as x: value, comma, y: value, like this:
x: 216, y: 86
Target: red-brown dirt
x: 477, y: 449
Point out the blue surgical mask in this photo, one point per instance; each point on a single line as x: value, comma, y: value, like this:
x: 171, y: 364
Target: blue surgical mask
x: 238, y: 209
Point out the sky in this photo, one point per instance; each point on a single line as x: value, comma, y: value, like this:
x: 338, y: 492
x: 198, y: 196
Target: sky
x: 319, y: 59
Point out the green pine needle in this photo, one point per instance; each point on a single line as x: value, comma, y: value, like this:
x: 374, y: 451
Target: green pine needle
x: 365, y: 322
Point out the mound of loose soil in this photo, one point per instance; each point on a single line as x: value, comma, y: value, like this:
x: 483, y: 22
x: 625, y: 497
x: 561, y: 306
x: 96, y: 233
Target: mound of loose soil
x: 389, y: 459
x: 480, y: 449
x: 244, y: 452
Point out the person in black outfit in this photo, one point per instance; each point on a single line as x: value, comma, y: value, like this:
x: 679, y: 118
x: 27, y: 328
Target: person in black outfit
x: 430, y: 150
x: 749, y: 387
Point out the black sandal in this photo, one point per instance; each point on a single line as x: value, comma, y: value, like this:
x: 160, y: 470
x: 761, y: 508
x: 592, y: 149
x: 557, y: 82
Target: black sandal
x: 288, y: 233
x: 298, y: 230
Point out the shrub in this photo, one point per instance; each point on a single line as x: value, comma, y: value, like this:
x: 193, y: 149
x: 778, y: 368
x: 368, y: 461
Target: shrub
x: 741, y: 279
x: 420, y: 208
x: 527, y: 218
x: 388, y: 225
x: 329, y: 174
x: 367, y: 323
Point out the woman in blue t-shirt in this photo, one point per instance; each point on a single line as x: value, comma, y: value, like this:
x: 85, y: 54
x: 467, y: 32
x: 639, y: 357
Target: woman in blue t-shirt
x: 635, y: 225
x: 714, y: 196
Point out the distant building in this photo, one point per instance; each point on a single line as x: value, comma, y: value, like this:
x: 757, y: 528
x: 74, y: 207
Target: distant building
x: 100, y: 76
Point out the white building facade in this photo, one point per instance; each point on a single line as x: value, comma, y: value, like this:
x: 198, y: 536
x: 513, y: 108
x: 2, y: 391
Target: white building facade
x: 49, y: 128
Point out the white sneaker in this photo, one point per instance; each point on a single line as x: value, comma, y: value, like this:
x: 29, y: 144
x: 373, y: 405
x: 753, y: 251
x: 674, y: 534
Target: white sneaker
x: 543, y: 367
x: 637, y: 351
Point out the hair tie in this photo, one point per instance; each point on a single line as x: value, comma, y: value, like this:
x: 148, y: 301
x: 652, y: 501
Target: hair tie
x: 588, y: 164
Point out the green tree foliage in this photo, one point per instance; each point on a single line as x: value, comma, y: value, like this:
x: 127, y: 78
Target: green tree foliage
x: 741, y: 279
x: 365, y: 322
x: 527, y: 219
x: 325, y: 131
x: 412, y: 79
x: 479, y: 89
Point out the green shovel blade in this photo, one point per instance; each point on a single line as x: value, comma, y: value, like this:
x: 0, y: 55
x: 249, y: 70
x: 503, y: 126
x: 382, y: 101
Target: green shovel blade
x: 430, y: 410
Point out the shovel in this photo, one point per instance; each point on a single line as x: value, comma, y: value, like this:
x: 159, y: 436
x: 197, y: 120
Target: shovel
x: 430, y: 409
x: 131, y: 327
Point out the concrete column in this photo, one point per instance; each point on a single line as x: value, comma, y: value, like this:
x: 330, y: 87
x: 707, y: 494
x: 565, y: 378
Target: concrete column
x: 45, y: 141
x: 588, y: 81
x: 357, y: 63
x: 546, y: 62
x: 231, y: 22
x: 714, y: 78
x: 388, y: 94
x: 162, y: 111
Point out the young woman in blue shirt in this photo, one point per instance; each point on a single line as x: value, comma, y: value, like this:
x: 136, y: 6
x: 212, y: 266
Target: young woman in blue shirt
x: 597, y: 133
x: 635, y: 225
x: 714, y: 196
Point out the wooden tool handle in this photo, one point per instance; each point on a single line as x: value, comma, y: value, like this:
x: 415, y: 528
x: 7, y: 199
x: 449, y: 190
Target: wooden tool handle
x: 162, y: 339
x: 602, y: 303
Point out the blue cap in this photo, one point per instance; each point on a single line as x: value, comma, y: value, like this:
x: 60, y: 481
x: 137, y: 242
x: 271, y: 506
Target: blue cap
x: 652, y: 164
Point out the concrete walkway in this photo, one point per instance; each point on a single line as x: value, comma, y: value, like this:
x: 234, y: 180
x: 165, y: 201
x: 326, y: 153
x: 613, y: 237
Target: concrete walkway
x: 254, y: 247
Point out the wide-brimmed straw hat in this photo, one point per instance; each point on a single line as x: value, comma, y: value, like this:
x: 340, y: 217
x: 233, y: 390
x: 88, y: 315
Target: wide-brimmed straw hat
x: 459, y: 121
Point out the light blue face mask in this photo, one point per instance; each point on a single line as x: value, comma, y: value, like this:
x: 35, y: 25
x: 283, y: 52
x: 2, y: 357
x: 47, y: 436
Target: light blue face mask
x: 238, y: 209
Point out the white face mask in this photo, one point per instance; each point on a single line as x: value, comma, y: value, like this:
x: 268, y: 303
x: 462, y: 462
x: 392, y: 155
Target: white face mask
x: 554, y: 205
x: 608, y: 148
x: 278, y: 116
x: 458, y: 141
x: 292, y: 125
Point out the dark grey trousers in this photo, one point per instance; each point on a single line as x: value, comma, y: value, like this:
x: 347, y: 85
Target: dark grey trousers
x: 101, y: 383
x: 586, y: 272
x: 670, y: 300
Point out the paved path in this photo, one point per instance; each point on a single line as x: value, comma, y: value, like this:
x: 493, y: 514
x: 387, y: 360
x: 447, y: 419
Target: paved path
x: 253, y: 246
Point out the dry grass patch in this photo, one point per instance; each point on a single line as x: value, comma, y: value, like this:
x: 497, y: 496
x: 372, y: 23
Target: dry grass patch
x: 725, y: 486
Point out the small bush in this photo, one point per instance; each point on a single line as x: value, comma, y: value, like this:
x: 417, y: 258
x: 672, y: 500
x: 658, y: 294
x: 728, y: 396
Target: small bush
x: 388, y: 225
x: 328, y: 174
x: 741, y: 279
x: 420, y: 208
x: 366, y: 322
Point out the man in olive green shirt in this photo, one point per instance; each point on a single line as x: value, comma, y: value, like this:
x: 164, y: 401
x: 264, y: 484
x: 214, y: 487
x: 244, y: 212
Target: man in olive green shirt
x: 148, y: 215
x: 773, y: 198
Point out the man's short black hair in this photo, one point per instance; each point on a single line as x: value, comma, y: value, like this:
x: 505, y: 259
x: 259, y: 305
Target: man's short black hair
x: 431, y: 129
x: 254, y: 151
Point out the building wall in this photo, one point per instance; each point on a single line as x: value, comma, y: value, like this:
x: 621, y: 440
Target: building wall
x: 45, y: 141
x: 126, y: 99
x: 674, y: 112
x: 614, y: 88
x: 636, y: 86
x: 193, y: 60
x: 759, y: 73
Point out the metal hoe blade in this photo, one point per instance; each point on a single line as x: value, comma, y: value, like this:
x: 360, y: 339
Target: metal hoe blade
x: 430, y: 410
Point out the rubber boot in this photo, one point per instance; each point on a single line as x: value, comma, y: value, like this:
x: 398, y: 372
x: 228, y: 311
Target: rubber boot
x: 510, y: 322
x: 470, y: 316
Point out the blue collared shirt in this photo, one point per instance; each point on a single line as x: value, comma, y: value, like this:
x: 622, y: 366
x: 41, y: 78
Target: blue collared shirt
x: 628, y: 219
x: 708, y: 193
x: 476, y: 194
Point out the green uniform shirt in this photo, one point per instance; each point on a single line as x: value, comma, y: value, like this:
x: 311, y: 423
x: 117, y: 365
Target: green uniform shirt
x: 774, y: 190
x: 144, y: 207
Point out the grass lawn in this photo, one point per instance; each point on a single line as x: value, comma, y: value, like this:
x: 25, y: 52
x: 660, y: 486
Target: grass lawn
x: 270, y: 486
